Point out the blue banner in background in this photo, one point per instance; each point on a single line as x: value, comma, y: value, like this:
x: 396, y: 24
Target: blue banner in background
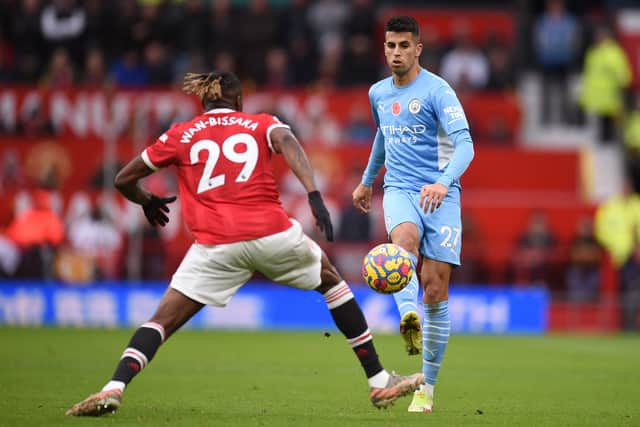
x: 263, y: 305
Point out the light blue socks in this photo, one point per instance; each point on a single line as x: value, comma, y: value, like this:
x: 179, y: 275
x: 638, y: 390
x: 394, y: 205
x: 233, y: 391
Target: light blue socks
x: 407, y: 299
x: 435, y: 336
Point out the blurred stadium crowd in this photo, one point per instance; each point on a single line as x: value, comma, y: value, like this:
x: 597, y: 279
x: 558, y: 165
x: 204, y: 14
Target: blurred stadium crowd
x: 283, y: 50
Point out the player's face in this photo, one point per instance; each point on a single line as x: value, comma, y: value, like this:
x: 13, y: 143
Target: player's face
x: 402, y: 51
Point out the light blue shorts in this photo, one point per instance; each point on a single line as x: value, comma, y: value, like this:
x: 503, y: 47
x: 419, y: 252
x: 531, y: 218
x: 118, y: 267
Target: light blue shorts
x: 440, y: 232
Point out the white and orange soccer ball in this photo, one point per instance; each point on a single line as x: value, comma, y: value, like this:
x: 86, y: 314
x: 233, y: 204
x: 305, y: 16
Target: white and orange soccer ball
x: 387, y: 268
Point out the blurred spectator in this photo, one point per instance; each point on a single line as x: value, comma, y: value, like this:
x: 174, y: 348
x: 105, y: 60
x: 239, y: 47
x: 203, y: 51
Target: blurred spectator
x: 224, y: 61
x: 617, y: 224
x: 11, y: 175
x: 60, y: 73
x: 293, y: 23
x: 354, y: 226
x: 128, y: 71
x: 26, y: 33
x: 630, y: 290
x: 432, y: 50
x: 194, y: 28
x: 473, y: 269
x: 256, y: 35
x: 277, y: 72
x: 533, y: 256
x: 37, y: 231
x: 63, y: 24
x: 94, y: 238
x: 465, y: 67
x: 327, y: 19
x: 303, y: 61
x: 98, y: 24
x: 152, y: 25
x: 631, y: 138
x: 9, y: 257
x: 157, y: 64
x: 585, y: 258
x: 359, y: 128
x: 95, y: 73
x: 222, y: 28
x: 362, y: 19
x: 192, y: 61
x: 606, y: 75
x: 329, y: 65
x: 502, y: 75
x: 7, y: 57
x: 121, y: 27
x: 556, y: 44
x: 358, y: 65
x: 617, y: 228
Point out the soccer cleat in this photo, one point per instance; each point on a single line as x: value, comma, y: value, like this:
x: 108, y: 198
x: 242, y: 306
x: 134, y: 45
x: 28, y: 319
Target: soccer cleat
x: 98, y: 404
x: 421, y: 402
x: 411, y: 332
x: 396, y: 387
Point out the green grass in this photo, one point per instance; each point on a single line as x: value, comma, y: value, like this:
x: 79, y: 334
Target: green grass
x: 218, y: 378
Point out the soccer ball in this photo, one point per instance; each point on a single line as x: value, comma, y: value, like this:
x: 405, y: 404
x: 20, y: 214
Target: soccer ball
x: 387, y: 268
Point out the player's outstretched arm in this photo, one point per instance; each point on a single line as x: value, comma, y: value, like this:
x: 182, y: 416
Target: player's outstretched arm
x: 284, y: 142
x: 127, y: 182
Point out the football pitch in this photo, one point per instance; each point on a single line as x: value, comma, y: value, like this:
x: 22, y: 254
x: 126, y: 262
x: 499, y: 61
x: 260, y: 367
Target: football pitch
x: 221, y: 378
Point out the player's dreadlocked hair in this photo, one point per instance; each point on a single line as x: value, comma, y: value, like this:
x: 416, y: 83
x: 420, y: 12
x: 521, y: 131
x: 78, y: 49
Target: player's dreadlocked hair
x: 403, y: 24
x: 215, y: 89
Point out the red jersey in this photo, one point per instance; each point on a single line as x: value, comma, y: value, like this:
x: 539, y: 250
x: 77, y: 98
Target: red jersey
x: 227, y: 189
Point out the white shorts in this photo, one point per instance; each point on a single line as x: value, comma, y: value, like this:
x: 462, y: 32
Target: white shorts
x: 212, y: 274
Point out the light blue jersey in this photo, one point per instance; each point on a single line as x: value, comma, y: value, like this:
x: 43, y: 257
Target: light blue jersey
x: 417, y: 123
x: 422, y: 138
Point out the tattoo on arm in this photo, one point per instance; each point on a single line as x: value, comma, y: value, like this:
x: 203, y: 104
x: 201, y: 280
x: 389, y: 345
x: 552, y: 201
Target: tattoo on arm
x: 297, y: 160
x: 127, y: 181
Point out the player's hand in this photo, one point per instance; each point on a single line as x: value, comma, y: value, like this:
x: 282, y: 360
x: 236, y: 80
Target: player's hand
x: 154, y: 208
x: 362, y: 198
x: 431, y: 196
x: 320, y: 212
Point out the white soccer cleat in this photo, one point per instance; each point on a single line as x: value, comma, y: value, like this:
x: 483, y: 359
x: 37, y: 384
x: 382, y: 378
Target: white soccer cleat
x: 98, y: 404
x: 397, y: 386
x: 421, y: 402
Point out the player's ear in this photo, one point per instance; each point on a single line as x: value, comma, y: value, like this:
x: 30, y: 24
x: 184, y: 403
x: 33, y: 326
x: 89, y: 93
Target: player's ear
x: 418, y: 49
x: 239, y: 103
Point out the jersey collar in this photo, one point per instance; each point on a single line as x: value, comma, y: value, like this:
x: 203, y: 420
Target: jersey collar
x: 220, y: 110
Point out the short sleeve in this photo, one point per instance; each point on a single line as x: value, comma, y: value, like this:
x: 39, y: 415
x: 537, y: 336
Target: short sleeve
x: 449, y: 110
x: 272, y: 122
x: 163, y: 152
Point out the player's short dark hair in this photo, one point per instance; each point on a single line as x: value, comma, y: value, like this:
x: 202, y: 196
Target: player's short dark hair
x: 215, y: 89
x: 403, y: 24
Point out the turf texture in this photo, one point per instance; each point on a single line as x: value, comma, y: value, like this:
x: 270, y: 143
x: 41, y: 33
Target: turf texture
x: 223, y: 378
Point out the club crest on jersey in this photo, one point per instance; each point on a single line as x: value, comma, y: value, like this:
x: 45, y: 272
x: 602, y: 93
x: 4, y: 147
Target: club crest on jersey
x: 395, y: 108
x: 414, y: 106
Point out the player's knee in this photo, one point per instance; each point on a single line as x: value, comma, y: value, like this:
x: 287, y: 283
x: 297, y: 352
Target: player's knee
x: 435, y: 288
x: 329, y: 276
x: 406, y: 236
x: 434, y: 293
x: 408, y: 242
